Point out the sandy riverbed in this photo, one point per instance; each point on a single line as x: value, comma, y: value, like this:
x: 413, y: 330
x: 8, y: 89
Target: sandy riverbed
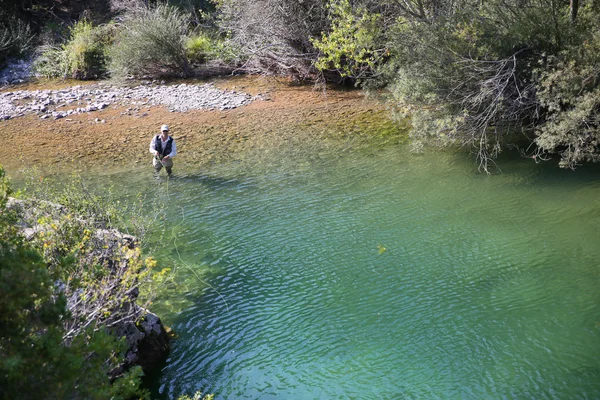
x: 117, y: 138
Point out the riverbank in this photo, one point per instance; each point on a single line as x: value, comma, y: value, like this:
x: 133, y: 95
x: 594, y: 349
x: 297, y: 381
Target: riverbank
x: 117, y: 135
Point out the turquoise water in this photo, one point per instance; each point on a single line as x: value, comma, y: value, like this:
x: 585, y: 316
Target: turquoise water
x: 378, y: 274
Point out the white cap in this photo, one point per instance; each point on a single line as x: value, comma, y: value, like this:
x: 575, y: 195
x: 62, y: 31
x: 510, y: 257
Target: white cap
x: 164, y: 128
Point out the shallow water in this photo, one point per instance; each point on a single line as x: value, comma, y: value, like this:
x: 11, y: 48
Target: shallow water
x: 380, y: 274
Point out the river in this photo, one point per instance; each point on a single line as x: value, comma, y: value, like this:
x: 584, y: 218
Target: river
x: 323, y: 270
x: 378, y: 273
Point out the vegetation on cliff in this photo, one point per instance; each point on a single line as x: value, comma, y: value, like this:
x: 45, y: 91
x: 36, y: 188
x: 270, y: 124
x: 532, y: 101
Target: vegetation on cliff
x: 65, y: 289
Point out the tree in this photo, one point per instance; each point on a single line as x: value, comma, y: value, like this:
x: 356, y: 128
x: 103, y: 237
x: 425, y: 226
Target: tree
x: 471, y: 77
x: 274, y: 35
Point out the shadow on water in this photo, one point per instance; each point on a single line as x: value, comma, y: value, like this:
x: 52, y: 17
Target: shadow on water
x: 210, y: 181
x: 526, y: 170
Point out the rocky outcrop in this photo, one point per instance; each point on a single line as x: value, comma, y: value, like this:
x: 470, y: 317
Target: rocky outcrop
x: 147, y: 342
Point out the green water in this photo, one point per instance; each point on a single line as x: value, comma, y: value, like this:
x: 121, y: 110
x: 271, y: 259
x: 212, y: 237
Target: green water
x: 378, y: 274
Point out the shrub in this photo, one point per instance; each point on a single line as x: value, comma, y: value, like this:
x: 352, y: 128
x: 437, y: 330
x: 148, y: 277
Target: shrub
x: 273, y: 36
x: 83, y: 56
x: 202, y: 47
x: 468, y: 76
x: 151, y: 43
x: 128, y: 6
x: 15, y: 38
x: 199, y: 48
x: 350, y: 48
x: 569, y: 92
x: 87, y: 50
x: 52, y: 62
x: 74, y: 234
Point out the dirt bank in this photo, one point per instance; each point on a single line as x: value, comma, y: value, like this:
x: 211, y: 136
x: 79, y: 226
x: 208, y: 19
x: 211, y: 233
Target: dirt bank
x: 119, y: 136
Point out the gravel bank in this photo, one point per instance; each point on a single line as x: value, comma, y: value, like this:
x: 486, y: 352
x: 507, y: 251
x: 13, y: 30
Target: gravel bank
x: 77, y: 99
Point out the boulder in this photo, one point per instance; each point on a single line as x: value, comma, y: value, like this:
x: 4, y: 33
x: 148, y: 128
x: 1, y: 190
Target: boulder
x: 148, y: 342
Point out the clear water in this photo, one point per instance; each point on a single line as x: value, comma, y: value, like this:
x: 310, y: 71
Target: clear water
x: 377, y: 274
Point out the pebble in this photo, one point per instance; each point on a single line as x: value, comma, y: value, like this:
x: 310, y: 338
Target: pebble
x: 84, y: 99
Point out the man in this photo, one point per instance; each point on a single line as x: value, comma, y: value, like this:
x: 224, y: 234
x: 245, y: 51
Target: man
x: 163, y: 148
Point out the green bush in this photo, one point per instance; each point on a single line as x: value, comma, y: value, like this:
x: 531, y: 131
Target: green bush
x: 569, y: 92
x: 351, y: 46
x: 469, y: 76
x: 202, y: 47
x: 83, y: 56
x: 152, y: 43
x: 87, y: 50
x: 199, y: 48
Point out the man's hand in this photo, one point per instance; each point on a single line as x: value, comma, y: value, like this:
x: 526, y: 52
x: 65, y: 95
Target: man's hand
x: 156, y: 153
x: 166, y: 157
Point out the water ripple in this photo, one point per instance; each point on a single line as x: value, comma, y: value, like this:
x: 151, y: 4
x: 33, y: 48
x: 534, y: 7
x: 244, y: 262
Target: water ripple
x: 380, y: 280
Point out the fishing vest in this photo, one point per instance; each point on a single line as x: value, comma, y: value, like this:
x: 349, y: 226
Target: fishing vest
x: 158, y: 146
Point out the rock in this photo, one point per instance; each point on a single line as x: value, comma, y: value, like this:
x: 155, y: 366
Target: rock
x: 154, y: 346
x: 148, y: 343
x: 176, y: 98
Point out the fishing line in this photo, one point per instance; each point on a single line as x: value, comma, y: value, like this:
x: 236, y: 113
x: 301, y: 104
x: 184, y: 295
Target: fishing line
x: 190, y: 268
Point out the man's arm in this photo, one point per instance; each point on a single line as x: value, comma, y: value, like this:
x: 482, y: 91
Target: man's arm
x: 153, y: 145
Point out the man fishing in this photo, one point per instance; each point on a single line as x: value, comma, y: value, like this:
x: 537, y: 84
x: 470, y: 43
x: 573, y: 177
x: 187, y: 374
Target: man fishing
x: 163, y: 148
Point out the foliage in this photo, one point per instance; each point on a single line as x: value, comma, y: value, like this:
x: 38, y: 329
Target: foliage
x: 199, y: 9
x: 35, y: 360
x: 52, y: 62
x: 15, y: 38
x: 100, y: 275
x: 83, y: 56
x: 273, y: 36
x: 197, y: 396
x: 467, y: 77
x: 131, y: 7
x: 350, y: 47
x: 569, y: 91
x: 198, y: 48
x: 202, y: 47
x: 152, y: 43
x: 87, y: 50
